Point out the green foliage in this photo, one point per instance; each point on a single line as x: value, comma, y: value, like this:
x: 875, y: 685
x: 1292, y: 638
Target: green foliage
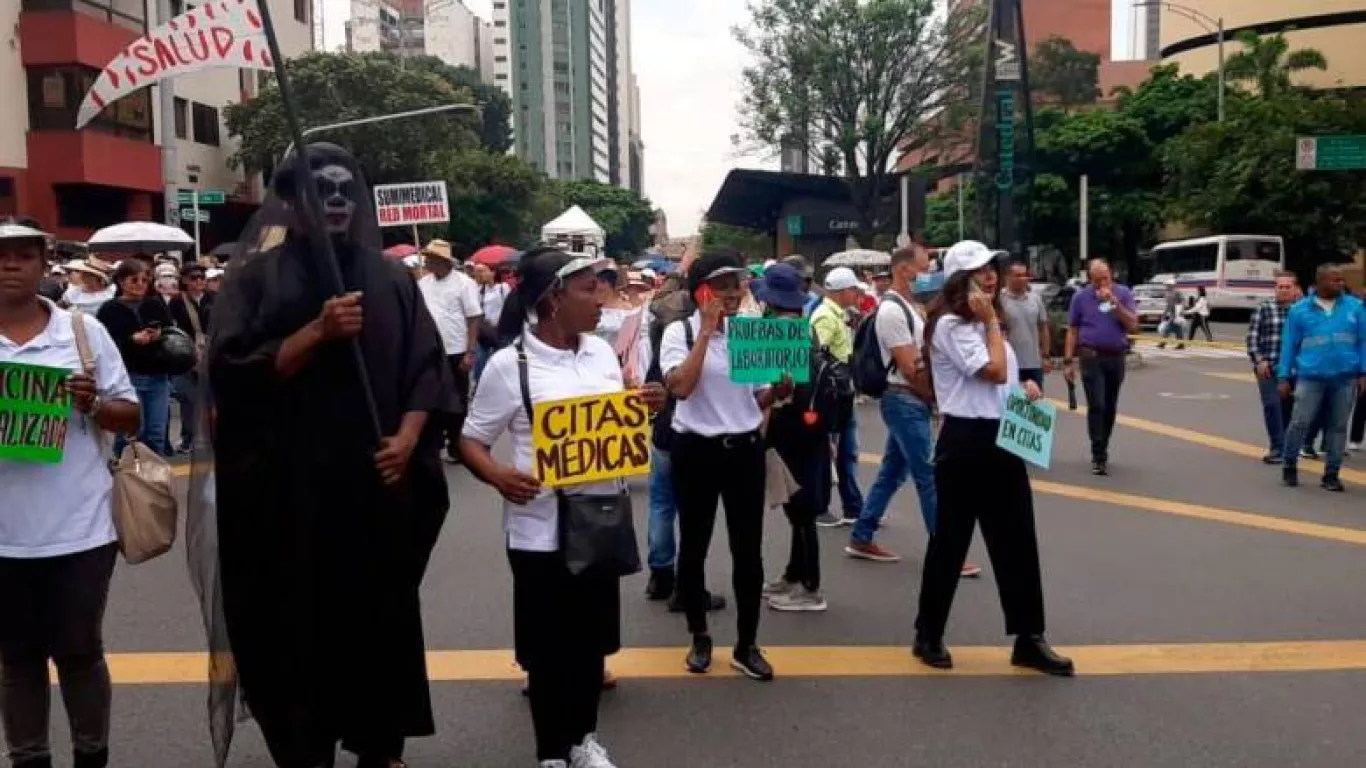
x: 624, y: 215
x: 866, y: 78
x: 752, y: 244
x: 495, y: 132
x: 1064, y: 75
x: 941, y: 216
x: 1268, y: 63
x: 495, y: 198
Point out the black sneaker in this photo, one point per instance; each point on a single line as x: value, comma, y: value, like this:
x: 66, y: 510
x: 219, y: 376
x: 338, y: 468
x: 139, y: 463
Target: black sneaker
x: 828, y: 520
x: 1099, y: 468
x: 1308, y: 452
x: 91, y: 759
x: 1332, y: 483
x: 1272, y: 458
x: 1033, y: 652
x: 699, y: 655
x: 715, y: 603
x: 661, y: 586
x: 932, y: 653
x: 751, y: 663
x: 1290, y: 477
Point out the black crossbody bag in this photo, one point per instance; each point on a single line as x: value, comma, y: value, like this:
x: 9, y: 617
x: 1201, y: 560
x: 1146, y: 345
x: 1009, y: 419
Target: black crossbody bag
x: 597, y: 531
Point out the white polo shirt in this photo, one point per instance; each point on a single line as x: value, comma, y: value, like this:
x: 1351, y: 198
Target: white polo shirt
x: 717, y: 406
x: 893, y: 331
x: 452, y: 301
x: 552, y: 374
x: 959, y: 351
x: 49, y: 510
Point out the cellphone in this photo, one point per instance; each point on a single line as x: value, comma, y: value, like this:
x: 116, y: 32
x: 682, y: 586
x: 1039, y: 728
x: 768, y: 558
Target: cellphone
x: 973, y: 290
x: 704, y: 296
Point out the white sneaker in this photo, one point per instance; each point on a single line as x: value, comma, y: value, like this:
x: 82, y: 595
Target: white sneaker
x: 1354, y: 447
x: 554, y: 764
x: 589, y: 754
x: 798, y: 600
x: 778, y: 587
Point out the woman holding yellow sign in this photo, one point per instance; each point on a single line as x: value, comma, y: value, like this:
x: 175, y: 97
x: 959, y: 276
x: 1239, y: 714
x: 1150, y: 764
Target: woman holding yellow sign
x: 558, y: 393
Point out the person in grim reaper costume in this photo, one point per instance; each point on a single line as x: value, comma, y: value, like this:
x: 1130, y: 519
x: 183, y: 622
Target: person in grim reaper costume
x: 322, y: 535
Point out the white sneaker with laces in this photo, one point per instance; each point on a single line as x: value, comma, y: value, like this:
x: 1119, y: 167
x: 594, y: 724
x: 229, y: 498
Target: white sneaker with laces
x: 798, y: 600
x: 589, y: 754
x: 778, y: 587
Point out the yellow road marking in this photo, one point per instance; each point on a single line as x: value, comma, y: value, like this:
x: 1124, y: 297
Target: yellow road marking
x: 1246, y: 377
x: 1355, y: 476
x: 1154, y: 339
x: 843, y: 661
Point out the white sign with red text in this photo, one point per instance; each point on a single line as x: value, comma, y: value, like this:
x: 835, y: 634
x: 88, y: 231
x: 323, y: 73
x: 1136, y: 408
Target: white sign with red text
x: 219, y: 33
x: 402, y: 205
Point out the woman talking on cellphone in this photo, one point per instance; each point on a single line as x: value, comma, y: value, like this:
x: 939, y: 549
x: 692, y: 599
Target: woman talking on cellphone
x: 718, y: 455
x: 973, y: 368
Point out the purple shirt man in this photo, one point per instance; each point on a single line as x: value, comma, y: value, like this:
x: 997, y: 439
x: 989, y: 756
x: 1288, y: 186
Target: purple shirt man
x: 1098, y: 326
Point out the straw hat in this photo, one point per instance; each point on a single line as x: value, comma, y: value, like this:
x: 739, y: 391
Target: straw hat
x: 440, y: 249
x: 91, y: 265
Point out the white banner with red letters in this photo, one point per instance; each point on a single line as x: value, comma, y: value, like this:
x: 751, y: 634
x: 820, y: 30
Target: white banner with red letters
x: 422, y: 202
x: 219, y: 33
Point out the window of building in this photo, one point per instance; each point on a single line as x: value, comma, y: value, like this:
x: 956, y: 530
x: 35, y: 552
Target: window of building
x: 205, y: 119
x: 500, y: 41
x: 9, y: 201
x: 500, y: 76
x: 500, y: 59
x: 129, y: 14
x: 182, y: 118
x: 89, y: 206
x: 301, y: 11
x: 55, y: 95
x: 499, y: 6
x: 500, y: 23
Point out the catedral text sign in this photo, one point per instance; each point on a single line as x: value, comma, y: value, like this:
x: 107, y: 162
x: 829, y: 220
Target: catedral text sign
x: 402, y: 205
x: 590, y: 439
x: 34, y: 408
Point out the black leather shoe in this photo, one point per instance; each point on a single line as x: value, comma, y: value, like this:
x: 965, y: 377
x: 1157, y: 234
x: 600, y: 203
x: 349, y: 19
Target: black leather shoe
x: 751, y: 663
x: 1332, y: 483
x: 1033, y: 652
x: 1290, y: 477
x: 699, y: 655
x: 715, y: 603
x: 37, y: 762
x: 932, y: 653
x: 1271, y: 459
x: 1099, y: 468
x: 91, y: 759
x: 661, y: 586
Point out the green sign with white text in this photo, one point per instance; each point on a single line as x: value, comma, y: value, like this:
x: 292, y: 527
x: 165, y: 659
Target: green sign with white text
x: 763, y: 349
x: 34, y: 408
x: 1331, y: 153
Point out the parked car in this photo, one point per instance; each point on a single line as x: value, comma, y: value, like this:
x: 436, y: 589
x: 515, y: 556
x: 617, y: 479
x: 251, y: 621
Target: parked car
x: 1151, y: 299
x: 1058, y: 307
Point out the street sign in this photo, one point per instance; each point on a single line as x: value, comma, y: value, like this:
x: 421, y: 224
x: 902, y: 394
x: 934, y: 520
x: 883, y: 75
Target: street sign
x: 1331, y: 153
x: 206, y: 197
x: 188, y: 214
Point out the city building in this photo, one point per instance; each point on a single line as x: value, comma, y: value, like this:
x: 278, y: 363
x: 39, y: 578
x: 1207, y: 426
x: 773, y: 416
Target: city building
x: 446, y: 29
x: 567, y: 68
x: 73, y: 181
x: 1336, y: 28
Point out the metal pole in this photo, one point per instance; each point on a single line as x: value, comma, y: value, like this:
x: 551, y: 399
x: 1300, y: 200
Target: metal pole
x: 1084, y: 220
x: 904, y: 239
x: 169, y: 165
x: 962, y: 207
x: 1221, y: 68
x: 416, y: 242
x: 383, y: 118
x: 194, y: 200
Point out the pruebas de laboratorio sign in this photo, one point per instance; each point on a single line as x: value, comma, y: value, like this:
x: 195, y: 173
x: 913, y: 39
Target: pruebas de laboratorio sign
x: 34, y: 409
x: 762, y: 350
x: 590, y: 439
x: 402, y: 205
x: 1027, y: 428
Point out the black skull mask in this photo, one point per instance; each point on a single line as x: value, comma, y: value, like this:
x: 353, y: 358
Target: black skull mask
x: 334, y: 183
x: 347, y: 211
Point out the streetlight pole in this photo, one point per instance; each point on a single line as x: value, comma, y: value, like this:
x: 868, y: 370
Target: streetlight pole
x: 385, y: 118
x: 1210, y: 24
x: 1220, y: 33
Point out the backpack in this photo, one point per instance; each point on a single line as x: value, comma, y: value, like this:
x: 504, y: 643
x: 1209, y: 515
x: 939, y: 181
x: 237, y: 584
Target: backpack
x: 832, y: 392
x: 868, y: 370
x: 666, y: 309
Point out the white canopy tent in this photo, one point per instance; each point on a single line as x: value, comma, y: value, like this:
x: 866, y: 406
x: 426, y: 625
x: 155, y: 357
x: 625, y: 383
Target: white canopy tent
x: 576, y: 230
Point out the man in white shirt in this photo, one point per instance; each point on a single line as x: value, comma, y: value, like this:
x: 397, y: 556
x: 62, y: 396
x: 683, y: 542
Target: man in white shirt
x: 453, y: 300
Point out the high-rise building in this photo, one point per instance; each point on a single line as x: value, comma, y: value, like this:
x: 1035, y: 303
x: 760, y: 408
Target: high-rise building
x: 566, y: 64
x: 446, y: 29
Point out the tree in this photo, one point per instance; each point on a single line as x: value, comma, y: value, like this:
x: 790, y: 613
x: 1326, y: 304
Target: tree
x: 625, y: 216
x: 1268, y: 63
x: 336, y: 87
x: 494, y: 198
x: 494, y: 103
x: 1067, y: 76
x: 750, y: 243
x: 867, y: 77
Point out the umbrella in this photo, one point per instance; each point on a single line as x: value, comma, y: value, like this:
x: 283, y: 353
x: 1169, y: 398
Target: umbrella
x: 493, y: 255
x: 224, y: 251
x: 139, y: 237
x: 859, y: 258
x: 400, y: 251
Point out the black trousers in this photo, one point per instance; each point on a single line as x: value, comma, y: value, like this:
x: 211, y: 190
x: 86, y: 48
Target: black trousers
x: 53, y: 608
x: 978, y: 482
x: 729, y: 469
x: 809, y: 463
x: 1200, y: 322
x: 1101, y: 378
x: 1358, y: 427
x: 565, y: 626
x: 456, y: 422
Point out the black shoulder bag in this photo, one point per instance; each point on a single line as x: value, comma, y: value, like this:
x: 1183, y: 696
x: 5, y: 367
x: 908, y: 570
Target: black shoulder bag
x: 597, y: 532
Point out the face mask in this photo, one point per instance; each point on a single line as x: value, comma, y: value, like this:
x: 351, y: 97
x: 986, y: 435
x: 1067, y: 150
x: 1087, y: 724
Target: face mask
x: 334, y: 184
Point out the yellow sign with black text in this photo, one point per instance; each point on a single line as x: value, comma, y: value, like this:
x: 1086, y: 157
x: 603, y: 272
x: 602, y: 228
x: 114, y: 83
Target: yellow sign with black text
x: 590, y: 439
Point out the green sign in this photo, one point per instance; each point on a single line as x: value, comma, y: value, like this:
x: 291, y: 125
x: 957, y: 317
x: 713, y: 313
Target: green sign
x: 34, y: 408
x: 190, y: 214
x: 1005, y: 138
x: 1331, y: 153
x: 794, y: 226
x: 762, y: 350
x: 206, y: 197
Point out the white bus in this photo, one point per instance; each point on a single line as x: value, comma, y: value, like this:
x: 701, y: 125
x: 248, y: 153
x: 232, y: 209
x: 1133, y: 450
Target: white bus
x: 1236, y: 271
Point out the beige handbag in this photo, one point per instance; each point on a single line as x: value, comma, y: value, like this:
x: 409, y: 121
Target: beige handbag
x: 144, y: 503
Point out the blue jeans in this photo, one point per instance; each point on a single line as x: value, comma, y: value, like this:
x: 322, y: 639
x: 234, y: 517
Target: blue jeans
x: 1335, y: 398
x: 1276, y: 414
x: 909, y: 444
x: 154, y: 397
x: 662, y: 533
x: 183, y: 392
x: 846, y: 467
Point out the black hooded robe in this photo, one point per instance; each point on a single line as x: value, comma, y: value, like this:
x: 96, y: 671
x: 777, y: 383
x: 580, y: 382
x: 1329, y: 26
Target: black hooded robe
x: 320, y: 563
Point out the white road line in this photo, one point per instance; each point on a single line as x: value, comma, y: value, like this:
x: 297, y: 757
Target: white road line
x: 1190, y: 353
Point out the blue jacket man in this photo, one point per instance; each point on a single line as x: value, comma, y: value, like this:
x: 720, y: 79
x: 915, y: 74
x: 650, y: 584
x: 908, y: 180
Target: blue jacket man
x: 1323, y: 348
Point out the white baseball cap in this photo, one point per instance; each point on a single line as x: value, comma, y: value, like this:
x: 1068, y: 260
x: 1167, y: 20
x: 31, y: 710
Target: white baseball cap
x: 966, y: 256
x: 840, y: 278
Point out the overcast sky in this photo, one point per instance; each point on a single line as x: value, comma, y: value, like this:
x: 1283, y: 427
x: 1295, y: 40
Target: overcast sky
x: 689, y: 70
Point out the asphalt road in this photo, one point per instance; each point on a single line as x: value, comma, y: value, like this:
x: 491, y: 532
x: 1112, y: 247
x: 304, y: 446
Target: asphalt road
x: 1203, y: 550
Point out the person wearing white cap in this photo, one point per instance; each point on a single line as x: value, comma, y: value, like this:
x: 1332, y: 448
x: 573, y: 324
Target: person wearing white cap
x: 828, y: 323
x: 89, y: 285
x: 972, y: 367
